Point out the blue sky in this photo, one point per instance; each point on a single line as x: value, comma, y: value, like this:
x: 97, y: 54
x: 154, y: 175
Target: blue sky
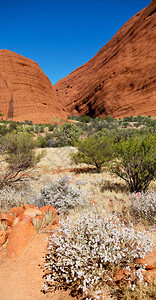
x: 61, y: 35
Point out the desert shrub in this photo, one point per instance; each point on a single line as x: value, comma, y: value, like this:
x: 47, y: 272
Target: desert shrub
x: 122, y: 133
x: 73, y: 117
x: 119, y: 133
x: 94, y: 151
x: 99, y: 123
x: 62, y: 141
x: 48, y: 136
x: 57, y: 132
x: 20, y: 128
x: 51, y: 143
x: 84, y: 118
x: 28, y: 122
x: 41, y: 129
x: 19, y: 154
x: 71, y: 132
x: 36, y: 129
x: 84, y: 254
x: 13, y: 125
x: 111, y: 126
x: 136, y: 161
x: 41, y: 142
x: 51, y: 127
x: 60, y: 138
x: 3, y: 129
x: 30, y: 128
x: 66, y: 135
x: 125, y: 124
x: 143, y: 206
x: 61, y: 195
x: 128, y: 119
x: 109, y: 119
x: 11, y: 196
x: 48, y: 219
x: 151, y: 125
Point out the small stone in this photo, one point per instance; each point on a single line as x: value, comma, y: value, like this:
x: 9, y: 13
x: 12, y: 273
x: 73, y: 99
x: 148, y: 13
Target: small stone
x: 47, y: 208
x: 149, y: 261
x: 16, y: 211
x: 32, y: 212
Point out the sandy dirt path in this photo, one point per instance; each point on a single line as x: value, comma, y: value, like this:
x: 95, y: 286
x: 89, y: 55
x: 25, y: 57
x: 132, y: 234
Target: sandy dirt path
x: 21, y: 278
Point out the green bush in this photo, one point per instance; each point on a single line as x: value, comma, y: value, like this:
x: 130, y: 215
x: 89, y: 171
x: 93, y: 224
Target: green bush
x: 94, y: 151
x: 61, y: 141
x: 74, y: 117
x: 118, y: 133
x: 109, y: 119
x: 18, y: 152
x: 84, y: 118
x: 66, y: 135
x: 71, y: 132
x: 36, y: 129
x: 51, y: 127
x: 3, y: 129
x: 41, y: 129
x: 28, y: 122
x: 41, y: 142
x: 136, y: 161
x: 30, y: 128
x: 13, y: 126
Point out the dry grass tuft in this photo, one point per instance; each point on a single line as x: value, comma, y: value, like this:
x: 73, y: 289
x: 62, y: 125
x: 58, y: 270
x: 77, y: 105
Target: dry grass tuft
x: 48, y: 219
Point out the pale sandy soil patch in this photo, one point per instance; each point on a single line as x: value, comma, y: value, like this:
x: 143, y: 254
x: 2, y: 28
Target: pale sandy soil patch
x: 56, y: 158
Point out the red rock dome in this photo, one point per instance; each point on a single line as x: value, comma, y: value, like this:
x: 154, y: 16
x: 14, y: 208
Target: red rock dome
x: 120, y: 79
x: 26, y: 92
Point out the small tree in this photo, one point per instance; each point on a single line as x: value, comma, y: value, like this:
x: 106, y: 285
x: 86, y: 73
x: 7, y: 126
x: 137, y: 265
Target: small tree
x: 94, y: 151
x: 71, y: 132
x: 17, y: 150
x: 136, y: 161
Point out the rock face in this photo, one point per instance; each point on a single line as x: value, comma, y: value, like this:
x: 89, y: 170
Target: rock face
x: 20, y: 236
x: 120, y: 79
x: 20, y: 227
x: 26, y: 92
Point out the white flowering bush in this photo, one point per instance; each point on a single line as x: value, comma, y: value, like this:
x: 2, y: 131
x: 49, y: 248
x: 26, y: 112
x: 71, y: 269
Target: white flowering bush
x: 83, y: 255
x: 143, y: 205
x: 62, y: 195
x: 10, y: 196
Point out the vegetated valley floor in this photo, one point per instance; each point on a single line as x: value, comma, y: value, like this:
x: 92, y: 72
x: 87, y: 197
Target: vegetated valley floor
x: 21, y: 278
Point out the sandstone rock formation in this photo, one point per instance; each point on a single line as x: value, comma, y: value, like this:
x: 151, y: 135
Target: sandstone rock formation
x: 26, y: 92
x: 20, y: 228
x: 120, y: 79
x: 20, y: 236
